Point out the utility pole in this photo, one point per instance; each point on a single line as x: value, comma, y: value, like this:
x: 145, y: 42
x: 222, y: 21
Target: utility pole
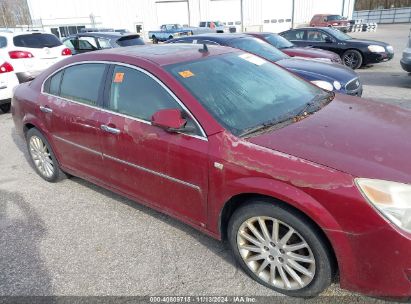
x: 242, y: 15
x: 292, y: 14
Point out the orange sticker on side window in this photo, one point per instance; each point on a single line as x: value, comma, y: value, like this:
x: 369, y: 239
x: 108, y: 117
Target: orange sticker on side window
x: 186, y: 74
x: 118, y: 77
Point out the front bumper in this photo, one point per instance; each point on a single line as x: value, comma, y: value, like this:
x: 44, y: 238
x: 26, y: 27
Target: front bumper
x: 379, y: 263
x: 342, y: 28
x: 406, y: 65
x: 370, y: 58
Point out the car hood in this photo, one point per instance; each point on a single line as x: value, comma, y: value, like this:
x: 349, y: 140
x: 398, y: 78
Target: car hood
x: 314, y: 70
x: 368, y: 42
x: 356, y: 136
x: 311, y: 52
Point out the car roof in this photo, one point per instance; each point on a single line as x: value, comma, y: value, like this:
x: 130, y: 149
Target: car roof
x: 14, y: 34
x: 260, y: 33
x: 165, y: 54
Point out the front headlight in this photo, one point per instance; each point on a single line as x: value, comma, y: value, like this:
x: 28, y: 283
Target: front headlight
x: 337, y: 85
x: 376, y: 49
x: 392, y: 199
x: 323, y: 85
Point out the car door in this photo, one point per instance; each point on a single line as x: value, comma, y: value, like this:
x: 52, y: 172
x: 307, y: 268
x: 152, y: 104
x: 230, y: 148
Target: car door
x: 168, y: 170
x: 296, y: 36
x: 70, y: 104
x: 86, y: 44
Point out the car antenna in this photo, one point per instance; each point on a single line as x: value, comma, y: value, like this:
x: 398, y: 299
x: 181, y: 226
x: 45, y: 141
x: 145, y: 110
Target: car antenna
x: 204, y: 49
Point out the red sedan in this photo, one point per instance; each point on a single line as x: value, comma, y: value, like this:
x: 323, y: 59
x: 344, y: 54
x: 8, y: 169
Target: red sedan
x: 294, y: 51
x: 303, y: 184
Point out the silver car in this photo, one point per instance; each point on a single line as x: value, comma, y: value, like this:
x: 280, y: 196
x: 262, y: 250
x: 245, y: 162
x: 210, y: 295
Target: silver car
x: 406, y: 56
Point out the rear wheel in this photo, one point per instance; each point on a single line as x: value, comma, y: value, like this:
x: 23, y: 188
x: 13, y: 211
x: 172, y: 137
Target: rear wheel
x: 43, y: 157
x: 352, y: 59
x: 280, y: 249
x: 5, y: 107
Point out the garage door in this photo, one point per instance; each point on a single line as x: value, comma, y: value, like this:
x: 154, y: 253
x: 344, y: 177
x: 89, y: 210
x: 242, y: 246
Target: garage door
x: 172, y: 12
x: 225, y: 10
x: 277, y: 15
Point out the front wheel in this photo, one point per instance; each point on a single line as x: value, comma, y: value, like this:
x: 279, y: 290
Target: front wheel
x: 5, y: 107
x: 352, y: 59
x: 280, y: 249
x: 155, y: 40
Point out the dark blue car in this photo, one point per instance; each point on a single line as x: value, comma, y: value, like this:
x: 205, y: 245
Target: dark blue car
x: 332, y: 77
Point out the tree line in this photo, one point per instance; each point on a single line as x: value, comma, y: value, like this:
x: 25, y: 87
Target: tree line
x: 14, y: 13
x: 380, y: 4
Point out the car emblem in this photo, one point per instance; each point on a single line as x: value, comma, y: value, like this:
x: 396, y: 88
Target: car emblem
x: 47, y: 50
x: 357, y: 83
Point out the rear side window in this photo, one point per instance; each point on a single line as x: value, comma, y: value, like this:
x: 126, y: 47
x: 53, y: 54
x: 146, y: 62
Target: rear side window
x: 130, y: 40
x: 82, y: 82
x: 3, y: 42
x: 135, y: 94
x: 36, y: 41
x: 294, y: 35
x: 52, y: 85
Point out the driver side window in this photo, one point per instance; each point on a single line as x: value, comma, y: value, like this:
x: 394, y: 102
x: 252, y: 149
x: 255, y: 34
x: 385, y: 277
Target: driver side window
x: 135, y: 94
x: 317, y: 36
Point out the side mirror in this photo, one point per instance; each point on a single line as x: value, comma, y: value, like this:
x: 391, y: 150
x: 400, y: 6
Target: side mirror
x: 328, y: 40
x: 169, y: 120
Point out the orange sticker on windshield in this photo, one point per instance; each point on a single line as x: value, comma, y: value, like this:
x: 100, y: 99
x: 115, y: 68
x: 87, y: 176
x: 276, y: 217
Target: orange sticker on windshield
x: 118, y: 77
x: 186, y: 74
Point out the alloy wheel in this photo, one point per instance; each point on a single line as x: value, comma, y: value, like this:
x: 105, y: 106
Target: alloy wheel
x: 276, y: 253
x: 351, y: 59
x: 41, y: 156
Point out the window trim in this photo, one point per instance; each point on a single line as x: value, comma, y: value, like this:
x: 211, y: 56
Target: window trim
x: 100, y: 104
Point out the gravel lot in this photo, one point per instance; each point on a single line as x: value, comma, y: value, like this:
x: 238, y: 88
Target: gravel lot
x: 74, y: 238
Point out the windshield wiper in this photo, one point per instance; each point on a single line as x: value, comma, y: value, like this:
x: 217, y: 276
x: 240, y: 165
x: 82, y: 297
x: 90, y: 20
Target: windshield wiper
x: 318, y: 102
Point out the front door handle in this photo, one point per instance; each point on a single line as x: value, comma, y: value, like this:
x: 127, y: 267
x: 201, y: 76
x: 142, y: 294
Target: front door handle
x: 110, y: 129
x: 45, y: 109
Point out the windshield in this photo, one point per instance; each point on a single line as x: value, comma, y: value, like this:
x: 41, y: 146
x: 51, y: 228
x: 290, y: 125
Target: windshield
x: 258, y: 47
x: 278, y: 41
x: 222, y: 84
x: 337, y: 34
x: 334, y: 17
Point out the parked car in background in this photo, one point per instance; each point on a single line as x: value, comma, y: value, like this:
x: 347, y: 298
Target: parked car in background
x: 406, y: 56
x: 87, y: 42
x: 293, y: 51
x: 218, y: 26
x: 168, y: 31
x: 30, y: 53
x: 304, y: 184
x: 353, y: 52
x: 328, y: 20
x: 8, y: 81
x: 332, y: 77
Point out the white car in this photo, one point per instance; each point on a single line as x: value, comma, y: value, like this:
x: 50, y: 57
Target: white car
x: 8, y: 81
x: 29, y: 53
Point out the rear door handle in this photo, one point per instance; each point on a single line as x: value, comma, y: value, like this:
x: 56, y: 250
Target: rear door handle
x: 110, y: 129
x: 45, y: 109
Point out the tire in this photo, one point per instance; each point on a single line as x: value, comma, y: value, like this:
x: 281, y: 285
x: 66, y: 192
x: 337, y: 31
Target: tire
x: 155, y: 40
x: 352, y: 59
x: 170, y: 37
x: 317, y: 270
x: 5, y: 107
x: 42, y: 157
